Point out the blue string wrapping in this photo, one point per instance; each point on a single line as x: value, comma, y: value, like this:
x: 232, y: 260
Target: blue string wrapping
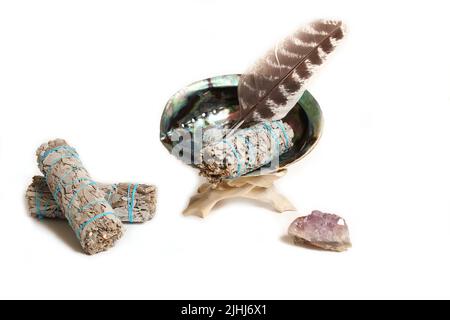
x: 131, y: 202
x: 78, y: 197
x: 275, y: 139
x: 285, y: 135
x: 238, y: 159
x: 38, y: 205
x: 70, y: 150
x: 251, y: 148
x: 85, y: 224
x: 139, y: 208
x: 62, y: 180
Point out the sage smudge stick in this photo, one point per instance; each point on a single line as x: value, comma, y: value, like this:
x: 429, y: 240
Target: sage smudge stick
x: 245, y: 151
x: 132, y: 203
x: 79, y: 197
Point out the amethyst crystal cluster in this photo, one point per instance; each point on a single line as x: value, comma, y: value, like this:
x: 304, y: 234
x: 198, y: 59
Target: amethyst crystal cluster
x: 323, y: 230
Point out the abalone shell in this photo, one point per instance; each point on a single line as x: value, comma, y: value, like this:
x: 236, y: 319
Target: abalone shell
x: 213, y: 102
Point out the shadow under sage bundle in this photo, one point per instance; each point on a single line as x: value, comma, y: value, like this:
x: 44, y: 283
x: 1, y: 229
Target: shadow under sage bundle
x: 79, y: 197
x: 132, y: 203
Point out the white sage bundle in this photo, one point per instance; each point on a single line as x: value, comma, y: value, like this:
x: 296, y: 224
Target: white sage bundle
x: 79, y: 197
x: 246, y: 150
x: 132, y: 203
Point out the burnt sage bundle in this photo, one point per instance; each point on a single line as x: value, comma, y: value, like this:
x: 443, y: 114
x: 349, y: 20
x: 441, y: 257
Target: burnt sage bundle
x: 267, y: 92
x: 79, y: 198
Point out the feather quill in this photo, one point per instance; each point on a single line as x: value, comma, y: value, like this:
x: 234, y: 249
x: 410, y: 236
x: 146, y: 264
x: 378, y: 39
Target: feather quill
x: 272, y: 86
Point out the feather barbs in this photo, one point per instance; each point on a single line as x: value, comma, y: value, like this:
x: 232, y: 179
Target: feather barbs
x: 274, y: 84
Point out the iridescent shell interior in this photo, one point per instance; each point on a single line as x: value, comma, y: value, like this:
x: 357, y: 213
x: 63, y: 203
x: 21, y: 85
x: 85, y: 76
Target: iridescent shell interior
x: 214, y: 103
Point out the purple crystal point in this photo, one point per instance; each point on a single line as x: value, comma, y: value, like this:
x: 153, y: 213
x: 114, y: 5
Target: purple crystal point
x: 322, y: 230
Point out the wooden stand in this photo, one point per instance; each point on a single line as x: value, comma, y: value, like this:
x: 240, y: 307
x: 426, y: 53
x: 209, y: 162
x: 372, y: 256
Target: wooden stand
x: 259, y: 188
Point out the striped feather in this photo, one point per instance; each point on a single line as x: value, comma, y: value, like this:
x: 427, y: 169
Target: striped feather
x: 269, y: 89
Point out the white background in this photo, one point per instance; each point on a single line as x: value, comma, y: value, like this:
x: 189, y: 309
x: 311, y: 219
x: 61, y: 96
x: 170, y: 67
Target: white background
x: 98, y: 74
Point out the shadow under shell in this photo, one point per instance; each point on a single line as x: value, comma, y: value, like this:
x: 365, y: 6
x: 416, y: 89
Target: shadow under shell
x: 213, y: 103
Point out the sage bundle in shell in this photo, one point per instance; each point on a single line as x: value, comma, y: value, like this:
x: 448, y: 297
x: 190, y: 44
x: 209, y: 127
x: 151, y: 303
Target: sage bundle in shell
x: 132, y: 203
x: 79, y: 197
x: 246, y: 150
